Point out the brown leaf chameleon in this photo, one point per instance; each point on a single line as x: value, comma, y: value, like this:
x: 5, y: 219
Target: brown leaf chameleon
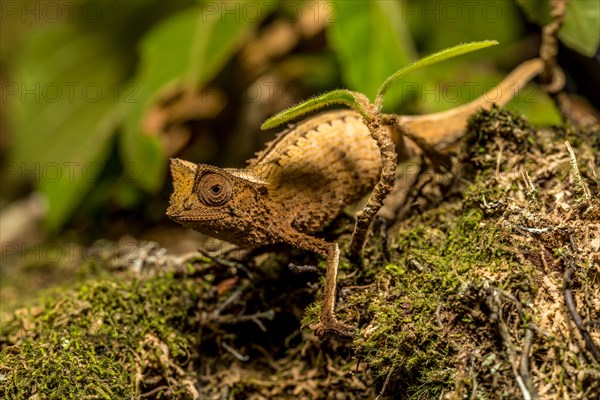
x: 304, y: 178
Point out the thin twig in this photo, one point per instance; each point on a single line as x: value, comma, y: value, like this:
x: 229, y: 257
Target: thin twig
x: 300, y: 269
x: 232, y: 319
x: 475, y: 384
x: 531, y: 190
x: 524, y: 364
x: 570, y: 303
x: 552, y: 76
x: 536, y: 231
x: 520, y: 310
x: 385, y: 384
x: 357, y: 287
x: 493, y: 302
x: 235, y: 353
x: 227, y: 263
x: 234, y: 297
x: 154, y: 391
x: 438, y: 316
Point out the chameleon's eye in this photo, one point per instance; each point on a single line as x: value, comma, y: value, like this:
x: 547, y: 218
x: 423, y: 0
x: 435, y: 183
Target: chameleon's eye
x: 214, y: 189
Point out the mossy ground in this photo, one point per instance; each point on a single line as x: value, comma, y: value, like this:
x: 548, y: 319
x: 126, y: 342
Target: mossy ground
x: 468, y: 300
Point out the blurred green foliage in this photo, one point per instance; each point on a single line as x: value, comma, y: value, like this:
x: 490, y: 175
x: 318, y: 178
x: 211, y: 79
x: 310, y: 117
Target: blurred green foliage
x: 364, y: 37
x: 186, y: 50
x: 581, y: 27
x: 83, y: 84
x: 369, y: 109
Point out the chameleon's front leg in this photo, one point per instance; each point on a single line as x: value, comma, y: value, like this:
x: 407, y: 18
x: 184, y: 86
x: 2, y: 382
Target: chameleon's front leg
x: 384, y: 187
x: 328, y: 321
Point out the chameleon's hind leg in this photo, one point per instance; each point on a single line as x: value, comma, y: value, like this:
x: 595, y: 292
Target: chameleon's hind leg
x: 389, y: 161
x: 383, y: 188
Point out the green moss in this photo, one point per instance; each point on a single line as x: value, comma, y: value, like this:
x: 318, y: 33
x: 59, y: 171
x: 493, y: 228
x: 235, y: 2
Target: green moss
x: 91, y: 342
x: 312, y: 314
x: 428, y: 319
x: 491, y: 129
x: 427, y: 306
x: 417, y: 320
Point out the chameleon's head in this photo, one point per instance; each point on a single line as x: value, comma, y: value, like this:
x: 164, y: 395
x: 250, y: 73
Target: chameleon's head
x: 217, y: 202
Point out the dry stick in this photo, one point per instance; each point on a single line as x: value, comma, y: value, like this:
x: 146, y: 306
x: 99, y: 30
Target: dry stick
x: 520, y: 310
x: 235, y: 353
x: 553, y: 76
x: 524, y: 364
x: 440, y: 162
x: 155, y: 391
x: 495, y: 306
x: 532, y: 230
x: 549, y: 46
x: 403, y: 207
x: 474, y: 388
x: 231, y: 319
x: 385, y: 384
x: 570, y: 303
x: 438, y: 317
x: 191, y: 257
x: 227, y: 263
x: 300, y: 269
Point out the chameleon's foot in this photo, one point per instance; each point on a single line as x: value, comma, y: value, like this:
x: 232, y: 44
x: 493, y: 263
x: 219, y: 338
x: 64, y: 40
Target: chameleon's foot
x: 331, y: 324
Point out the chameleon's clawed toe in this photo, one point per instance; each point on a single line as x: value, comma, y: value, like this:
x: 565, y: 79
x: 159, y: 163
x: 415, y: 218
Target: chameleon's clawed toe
x: 331, y: 324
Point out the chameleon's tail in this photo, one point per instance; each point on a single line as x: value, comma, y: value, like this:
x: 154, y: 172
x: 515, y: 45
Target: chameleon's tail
x: 443, y: 129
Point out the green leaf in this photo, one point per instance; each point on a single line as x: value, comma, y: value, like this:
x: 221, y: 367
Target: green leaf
x: 581, y: 28
x: 345, y: 97
x: 66, y: 112
x: 183, y: 52
x: 371, y: 42
x: 536, y: 105
x: 536, y: 11
x: 431, y: 59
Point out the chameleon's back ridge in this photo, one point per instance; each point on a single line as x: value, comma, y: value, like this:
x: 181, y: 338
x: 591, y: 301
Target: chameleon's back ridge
x: 317, y: 167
